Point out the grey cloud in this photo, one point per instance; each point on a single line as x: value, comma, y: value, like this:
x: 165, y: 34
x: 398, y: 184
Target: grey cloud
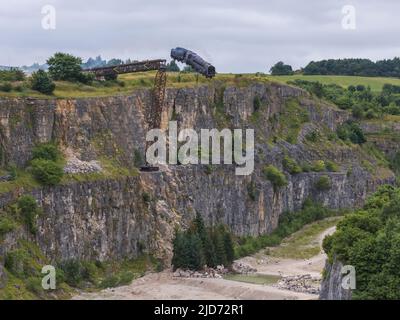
x: 237, y: 36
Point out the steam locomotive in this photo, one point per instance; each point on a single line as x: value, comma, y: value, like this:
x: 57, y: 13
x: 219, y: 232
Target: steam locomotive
x: 193, y: 60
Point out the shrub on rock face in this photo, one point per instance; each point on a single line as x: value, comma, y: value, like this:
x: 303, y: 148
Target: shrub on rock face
x: 275, y: 176
x: 29, y: 211
x: 331, y: 166
x: 46, y: 172
x: 256, y: 103
x: 323, y: 183
x: 351, y: 131
x: 47, y: 151
x: 318, y: 166
x: 6, y: 225
x: 291, y: 165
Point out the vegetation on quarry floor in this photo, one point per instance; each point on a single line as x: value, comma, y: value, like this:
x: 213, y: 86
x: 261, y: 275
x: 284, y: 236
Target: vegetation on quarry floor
x: 24, y: 278
x: 200, y: 245
x: 289, y: 223
x: 304, y: 243
x: 23, y: 264
x: 369, y: 240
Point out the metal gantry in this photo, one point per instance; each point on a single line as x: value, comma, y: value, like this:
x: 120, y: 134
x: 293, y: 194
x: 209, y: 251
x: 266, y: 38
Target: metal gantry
x: 153, y: 118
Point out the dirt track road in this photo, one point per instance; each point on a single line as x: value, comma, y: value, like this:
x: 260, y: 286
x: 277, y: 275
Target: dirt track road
x: 163, y: 285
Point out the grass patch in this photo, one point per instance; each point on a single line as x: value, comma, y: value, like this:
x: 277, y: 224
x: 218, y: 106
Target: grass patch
x: 23, y: 179
x: 289, y: 223
x: 127, y: 82
x: 95, y: 275
x: 290, y: 120
x: 376, y: 83
x: 111, y: 170
x: 304, y: 243
x: 23, y: 268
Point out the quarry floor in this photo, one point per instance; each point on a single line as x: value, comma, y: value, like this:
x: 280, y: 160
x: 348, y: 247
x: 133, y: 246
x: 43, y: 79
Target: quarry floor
x: 162, y: 285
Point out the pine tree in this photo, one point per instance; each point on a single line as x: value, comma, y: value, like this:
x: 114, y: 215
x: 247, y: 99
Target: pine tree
x: 195, y: 257
x: 208, y: 250
x: 173, y: 67
x: 200, y: 245
x: 181, y: 250
x: 229, y: 251
x: 218, y: 239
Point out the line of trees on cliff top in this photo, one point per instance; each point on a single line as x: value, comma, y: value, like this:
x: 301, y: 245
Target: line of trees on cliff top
x: 344, y: 67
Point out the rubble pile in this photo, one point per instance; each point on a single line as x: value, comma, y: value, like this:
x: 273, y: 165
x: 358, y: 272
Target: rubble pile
x: 217, y: 273
x: 301, y: 283
x: 243, y: 268
x: 74, y: 165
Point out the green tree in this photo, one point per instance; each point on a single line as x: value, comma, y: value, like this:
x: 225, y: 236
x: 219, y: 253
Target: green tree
x: 41, y: 82
x: 351, y: 131
x: 229, y: 248
x: 188, y: 69
x: 14, y: 74
x: 5, y: 86
x: 173, y: 67
x: 181, y: 250
x: 64, y: 66
x: 199, y: 228
x: 369, y: 239
x: 218, y: 239
x: 280, y: 69
x: 196, y: 257
x: 199, y: 245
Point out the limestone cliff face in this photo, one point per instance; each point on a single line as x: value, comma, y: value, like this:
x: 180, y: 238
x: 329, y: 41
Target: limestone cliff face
x: 110, y: 218
x: 331, y: 286
x: 384, y: 134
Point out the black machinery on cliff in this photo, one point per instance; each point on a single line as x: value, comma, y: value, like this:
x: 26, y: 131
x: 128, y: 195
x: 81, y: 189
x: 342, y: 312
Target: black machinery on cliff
x: 153, y: 118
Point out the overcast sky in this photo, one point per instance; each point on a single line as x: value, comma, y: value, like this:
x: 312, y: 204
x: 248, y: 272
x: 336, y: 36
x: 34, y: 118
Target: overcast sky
x: 236, y: 36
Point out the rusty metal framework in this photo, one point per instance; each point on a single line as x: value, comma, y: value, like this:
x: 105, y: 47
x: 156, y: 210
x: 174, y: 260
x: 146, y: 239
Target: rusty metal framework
x: 160, y: 82
x: 153, y: 117
x: 139, y: 66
